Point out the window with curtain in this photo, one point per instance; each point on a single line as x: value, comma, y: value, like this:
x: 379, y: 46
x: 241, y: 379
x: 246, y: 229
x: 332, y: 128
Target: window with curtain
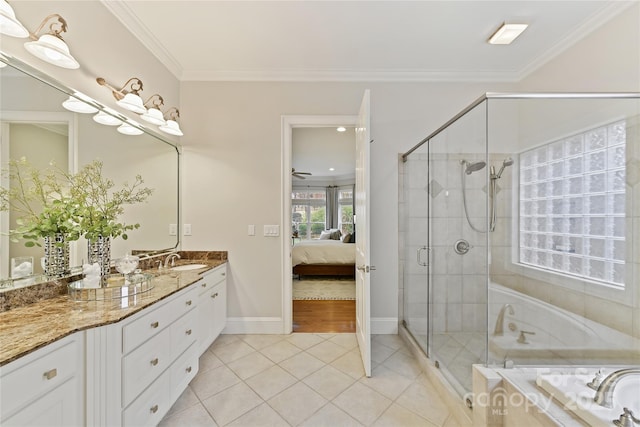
x: 345, y: 209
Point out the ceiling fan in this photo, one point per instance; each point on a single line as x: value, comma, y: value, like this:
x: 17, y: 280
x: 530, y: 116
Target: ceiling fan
x: 299, y: 175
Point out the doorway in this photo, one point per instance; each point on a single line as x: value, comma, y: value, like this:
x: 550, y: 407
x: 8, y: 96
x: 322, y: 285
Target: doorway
x: 312, y: 315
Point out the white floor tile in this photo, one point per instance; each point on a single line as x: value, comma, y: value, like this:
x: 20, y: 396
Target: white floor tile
x: 280, y: 351
x: 271, y: 381
x: 250, y: 365
x: 262, y: 416
x: 331, y: 415
x: 301, y: 365
x: 327, y: 351
x: 231, y: 403
x: 329, y: 381
x: 304, y: 341
x: 196, y: 416
x: 214, y: 381
x: 362, y: 403
x: 297, y: 403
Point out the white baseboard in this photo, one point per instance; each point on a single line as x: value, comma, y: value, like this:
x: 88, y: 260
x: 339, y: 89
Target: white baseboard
x: 273, y: 325
x: 384, y: 325
x: 253, y: 325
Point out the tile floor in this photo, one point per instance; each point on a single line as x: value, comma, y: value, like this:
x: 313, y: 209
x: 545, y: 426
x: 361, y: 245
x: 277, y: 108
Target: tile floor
x: 308, y: 380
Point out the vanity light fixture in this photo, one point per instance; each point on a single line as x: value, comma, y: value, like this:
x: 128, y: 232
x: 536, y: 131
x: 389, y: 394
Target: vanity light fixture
x: 153, y: 114
x: 507, y: 33
x: 106, y: 119
x: 172, y: 127
x: 127, y: 129
x: 128, y: 96
x: 50, y: 47
x: 77, y: 106
x: 9, y: 24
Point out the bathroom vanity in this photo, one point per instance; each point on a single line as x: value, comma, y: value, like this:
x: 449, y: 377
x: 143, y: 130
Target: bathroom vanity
x: 121, y: 362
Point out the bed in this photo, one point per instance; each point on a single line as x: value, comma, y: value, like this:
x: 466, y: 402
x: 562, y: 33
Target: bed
x: 323, y: 258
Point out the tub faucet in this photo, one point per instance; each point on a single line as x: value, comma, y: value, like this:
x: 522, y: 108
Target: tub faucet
x: 499, y: 329
x: 171, y: 257
x: 604, y: 394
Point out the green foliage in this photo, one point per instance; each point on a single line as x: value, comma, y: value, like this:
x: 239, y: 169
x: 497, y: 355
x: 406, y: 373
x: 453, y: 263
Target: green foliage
x: 53, y: 201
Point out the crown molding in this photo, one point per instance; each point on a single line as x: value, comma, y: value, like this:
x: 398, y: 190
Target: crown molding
x: 595, y: 21
x: 129, y: 19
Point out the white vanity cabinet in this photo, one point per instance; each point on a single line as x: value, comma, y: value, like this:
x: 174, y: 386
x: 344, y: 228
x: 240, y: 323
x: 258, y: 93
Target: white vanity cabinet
x: 212, y: 306
x: 144, y: 363
x: 45, y: 387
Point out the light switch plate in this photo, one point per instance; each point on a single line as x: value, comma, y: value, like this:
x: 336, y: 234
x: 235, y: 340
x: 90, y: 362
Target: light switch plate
x: 187, y: 230
x: 173, y: 229
x: 251, y: 230
x: 271, y: 230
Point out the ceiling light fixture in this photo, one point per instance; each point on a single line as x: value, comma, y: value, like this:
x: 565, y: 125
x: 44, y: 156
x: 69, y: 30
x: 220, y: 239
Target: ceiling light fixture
x: 172, y: 127
x: 153, y: 114
x: 127, y: 129
x: 78, y: 106
x: 127, y: 98
x: 332, y: 169
x: 50, y: 47
x: 9, y: 24
x: 106, y: 119
x: 341, y: 129
x: 507, y: 33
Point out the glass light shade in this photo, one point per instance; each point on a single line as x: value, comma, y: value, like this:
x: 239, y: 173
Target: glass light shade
x: 507, y: 33
x: 77, y: 106
x: 9, y: 24
x: 172, y: 127
x: 106, y: 119
x: 127, y: 129
x: 154, y: 116
x: 53, y: 50
x: 132, y: 102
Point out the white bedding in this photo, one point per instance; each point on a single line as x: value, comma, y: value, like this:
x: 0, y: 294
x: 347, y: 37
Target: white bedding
x: 323, y: 252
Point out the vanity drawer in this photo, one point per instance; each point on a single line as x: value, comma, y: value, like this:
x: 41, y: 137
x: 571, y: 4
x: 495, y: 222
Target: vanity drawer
x: 217, y: 275
x: 145, y: 327
x: 144, y: 365
x: 183, y: 333
x: 45, y: 370
x: 183, y: 371
x: 152, y: 405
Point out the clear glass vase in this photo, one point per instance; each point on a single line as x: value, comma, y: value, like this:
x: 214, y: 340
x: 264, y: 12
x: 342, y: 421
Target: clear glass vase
x: 55, y: 262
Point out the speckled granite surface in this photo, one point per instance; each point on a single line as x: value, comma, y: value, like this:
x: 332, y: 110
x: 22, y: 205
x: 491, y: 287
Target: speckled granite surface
x: 32, y: 326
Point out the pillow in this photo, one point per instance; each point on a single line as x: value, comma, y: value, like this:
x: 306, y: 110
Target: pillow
x: 353, y: 237
x: 324, y: 235
x: 346, y: 238
x: 335, y: 235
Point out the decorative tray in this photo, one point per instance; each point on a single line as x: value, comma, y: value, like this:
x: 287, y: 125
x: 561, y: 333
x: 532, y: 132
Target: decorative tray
x: 116, y: 287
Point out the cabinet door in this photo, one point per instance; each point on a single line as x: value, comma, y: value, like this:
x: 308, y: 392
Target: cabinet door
x: 219, y: 318
x: 205, y: 319
x: 59, y: 407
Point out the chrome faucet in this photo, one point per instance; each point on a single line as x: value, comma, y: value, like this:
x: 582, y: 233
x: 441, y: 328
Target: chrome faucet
x: 171, y: 257
x: 499, y: 329
x: 604, y: 394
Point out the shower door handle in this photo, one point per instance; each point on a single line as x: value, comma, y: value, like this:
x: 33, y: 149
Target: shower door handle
x: 419, y: 258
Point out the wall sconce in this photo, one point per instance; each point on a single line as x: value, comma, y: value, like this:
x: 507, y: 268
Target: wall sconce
x: 153, y: 114
x: 127, y: 129
x: 9, y: 24
x: 78, y: 106
x: 106, y: 119
x: 127, y: 98
x: 172, y: 127
x: 49, y: 47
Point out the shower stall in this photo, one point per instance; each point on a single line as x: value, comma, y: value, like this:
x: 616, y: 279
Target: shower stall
x: 520, y: 234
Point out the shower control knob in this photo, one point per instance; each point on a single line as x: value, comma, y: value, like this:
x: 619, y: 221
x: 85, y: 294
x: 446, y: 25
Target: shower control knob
x: 461, y: 247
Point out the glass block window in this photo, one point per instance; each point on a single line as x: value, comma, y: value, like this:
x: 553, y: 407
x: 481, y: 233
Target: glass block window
x: 572, y: 205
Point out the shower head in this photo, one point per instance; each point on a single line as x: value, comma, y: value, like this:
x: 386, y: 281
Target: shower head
x: 472, y: 167
x: 506, y: 162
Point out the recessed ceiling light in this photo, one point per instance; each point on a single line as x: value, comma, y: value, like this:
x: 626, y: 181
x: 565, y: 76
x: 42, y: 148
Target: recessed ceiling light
x: 332, y: 169
x: 507, y: 33
x: 341, y: 129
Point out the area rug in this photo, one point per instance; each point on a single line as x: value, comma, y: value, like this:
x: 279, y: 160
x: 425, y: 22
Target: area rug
x: 324, y: 289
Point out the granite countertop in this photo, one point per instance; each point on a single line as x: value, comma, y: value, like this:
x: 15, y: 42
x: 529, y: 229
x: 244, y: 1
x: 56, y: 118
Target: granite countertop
x: 30, y: 327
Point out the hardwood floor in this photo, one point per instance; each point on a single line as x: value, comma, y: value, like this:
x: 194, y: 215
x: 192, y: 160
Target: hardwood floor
x: 324, y: 316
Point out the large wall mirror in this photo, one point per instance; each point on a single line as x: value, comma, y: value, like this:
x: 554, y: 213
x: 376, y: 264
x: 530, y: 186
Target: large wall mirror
x: 33, y: 124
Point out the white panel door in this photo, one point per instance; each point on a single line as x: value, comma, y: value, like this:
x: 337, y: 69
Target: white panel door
x: 362, y: 209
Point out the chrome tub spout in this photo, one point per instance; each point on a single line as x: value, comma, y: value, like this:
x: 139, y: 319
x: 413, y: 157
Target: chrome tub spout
x: 604, y: 394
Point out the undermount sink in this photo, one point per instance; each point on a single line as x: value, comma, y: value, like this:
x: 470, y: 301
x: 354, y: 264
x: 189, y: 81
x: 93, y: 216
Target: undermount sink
x: 188, y: 267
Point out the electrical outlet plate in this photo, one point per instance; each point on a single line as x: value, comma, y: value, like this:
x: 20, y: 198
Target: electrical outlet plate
x: 173, y: 229
x: 187, y: 229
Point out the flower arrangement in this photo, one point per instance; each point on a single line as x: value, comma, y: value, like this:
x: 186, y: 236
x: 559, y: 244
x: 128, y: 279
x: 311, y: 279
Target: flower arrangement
x: 54, y: 201
x: 42, y: 201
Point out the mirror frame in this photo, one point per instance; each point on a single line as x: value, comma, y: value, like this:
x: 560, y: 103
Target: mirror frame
x: 70, y: 119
